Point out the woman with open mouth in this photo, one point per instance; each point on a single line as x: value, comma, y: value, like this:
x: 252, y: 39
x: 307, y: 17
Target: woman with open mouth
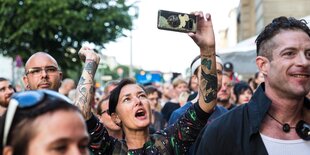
x: 130, y: 108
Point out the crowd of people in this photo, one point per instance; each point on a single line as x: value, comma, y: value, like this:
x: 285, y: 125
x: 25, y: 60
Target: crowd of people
x: 214, y: 112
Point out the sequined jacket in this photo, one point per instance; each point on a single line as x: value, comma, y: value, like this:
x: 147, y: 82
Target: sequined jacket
x: 173, y: 140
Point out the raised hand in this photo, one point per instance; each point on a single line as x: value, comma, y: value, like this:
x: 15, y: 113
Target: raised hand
x: 204, y: 38
x: 87, y: 53
x: 85, y: 89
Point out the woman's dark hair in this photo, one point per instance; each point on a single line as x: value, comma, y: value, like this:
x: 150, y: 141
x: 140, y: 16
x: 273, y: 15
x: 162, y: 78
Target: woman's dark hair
x: 255, y: 85
x: 113, y: 100
x: 240, y: 87
x: 278, y: 24
x: 22, y: 130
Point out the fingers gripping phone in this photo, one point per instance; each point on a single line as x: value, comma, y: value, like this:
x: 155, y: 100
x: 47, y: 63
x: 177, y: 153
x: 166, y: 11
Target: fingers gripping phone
x: 176, y: 21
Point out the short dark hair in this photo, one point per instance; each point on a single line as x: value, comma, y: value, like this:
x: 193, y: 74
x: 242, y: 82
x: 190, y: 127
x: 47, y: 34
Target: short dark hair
x: 114, y: 95
x: 274, y: 28
x: 21, y: 131
x: 240, y: 87
x: 150, y: 89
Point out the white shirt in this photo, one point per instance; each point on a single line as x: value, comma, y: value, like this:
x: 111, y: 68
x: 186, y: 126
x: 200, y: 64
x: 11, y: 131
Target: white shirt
x: 286, y: 147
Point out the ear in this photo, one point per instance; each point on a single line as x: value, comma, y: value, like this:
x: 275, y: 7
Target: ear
x: 116, y: 119
x: 25, y: 81
x: 60, y: 75
x: 7, y: 150
x: 263, y: 64
x: 60, y: 78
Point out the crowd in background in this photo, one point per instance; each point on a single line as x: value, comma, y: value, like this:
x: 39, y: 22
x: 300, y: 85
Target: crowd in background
x: 127, y: 117
x: 171, y: 95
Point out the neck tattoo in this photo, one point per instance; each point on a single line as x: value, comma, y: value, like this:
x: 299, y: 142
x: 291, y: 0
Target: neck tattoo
x: 285, y: 126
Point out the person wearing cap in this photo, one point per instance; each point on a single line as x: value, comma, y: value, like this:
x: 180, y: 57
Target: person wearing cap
x: 195, y: 70
x: 193, y: 80
x: 229, y: 69
x: 218, y: 110
x: 129, y: 108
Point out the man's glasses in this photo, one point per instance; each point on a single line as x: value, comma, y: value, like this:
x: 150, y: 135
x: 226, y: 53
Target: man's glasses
x: 25, y: 100
x: 37, y: 71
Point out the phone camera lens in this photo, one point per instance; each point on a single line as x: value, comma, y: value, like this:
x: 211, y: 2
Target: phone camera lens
x: 173, y: 21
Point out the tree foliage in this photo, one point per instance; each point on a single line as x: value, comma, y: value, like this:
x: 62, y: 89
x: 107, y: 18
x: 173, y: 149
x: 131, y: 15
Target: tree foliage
x: 60, y: 27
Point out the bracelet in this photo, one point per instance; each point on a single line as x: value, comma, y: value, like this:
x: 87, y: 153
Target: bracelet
x: 208, y: 55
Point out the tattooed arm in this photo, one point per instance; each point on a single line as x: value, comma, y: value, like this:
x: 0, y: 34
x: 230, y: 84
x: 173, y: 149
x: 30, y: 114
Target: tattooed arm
x: 204, y: 38
x: 85, y: 89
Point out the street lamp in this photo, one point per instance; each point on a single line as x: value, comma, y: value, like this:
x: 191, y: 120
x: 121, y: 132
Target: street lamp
x: 131, y: 66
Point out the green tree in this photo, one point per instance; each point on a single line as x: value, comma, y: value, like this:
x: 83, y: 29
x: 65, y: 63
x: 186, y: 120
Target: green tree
x: 60, y: 27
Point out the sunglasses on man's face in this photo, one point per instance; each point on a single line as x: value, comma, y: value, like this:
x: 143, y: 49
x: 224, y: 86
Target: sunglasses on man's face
x: 25, y: 100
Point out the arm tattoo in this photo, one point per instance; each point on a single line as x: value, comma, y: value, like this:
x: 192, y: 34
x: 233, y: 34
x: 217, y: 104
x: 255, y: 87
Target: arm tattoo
x: 85, y: 88
x: 208, y: 86
x: 91, y: 67
x: 207, y: 63
x: 210, y: 83
x: 82, y: 80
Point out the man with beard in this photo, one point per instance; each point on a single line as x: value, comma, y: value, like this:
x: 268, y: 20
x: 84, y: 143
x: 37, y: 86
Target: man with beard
x: 277, y: 118
x: 42, y: 72
x: 224, y: 94
x: 6, y: 91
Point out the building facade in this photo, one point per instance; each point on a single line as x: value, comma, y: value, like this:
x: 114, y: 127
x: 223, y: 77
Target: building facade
x: 254, y: 15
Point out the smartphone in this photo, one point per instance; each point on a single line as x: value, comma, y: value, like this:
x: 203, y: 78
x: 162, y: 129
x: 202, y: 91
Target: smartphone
x: 176, y: 21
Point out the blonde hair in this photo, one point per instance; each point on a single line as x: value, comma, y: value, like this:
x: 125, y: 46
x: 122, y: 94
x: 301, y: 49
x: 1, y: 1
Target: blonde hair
x: 177, y: 81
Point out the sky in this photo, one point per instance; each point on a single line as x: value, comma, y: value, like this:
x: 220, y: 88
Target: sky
x: 159, y: 50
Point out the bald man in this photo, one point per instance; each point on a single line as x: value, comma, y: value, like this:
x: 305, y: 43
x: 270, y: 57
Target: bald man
x: 42, y: 72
